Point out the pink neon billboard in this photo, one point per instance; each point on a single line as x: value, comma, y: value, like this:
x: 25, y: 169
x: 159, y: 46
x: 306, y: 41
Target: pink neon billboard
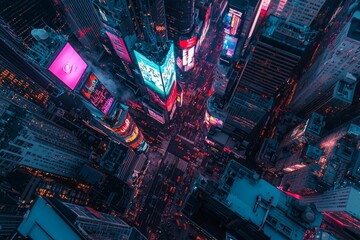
x: 68, y: 66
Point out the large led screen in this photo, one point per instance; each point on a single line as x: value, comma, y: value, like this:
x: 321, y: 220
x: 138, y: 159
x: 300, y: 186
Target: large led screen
x: 119, y: 47
x: 229, y: 46
x: 188, y: 58
x: 232, y: 21
x: 168, y: 70
x: 68, y: 66
x: 159, y: 79
x: 96, y: 93
x: 150, y: 72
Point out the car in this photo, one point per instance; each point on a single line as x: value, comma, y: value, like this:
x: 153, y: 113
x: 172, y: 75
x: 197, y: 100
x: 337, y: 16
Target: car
x: 166, y: 197
x: 177, y: 214
x: 172, y: 189
x: 180, y: 203
x: 187, y: 158
x: 186, y: 190
x: 178, y: 179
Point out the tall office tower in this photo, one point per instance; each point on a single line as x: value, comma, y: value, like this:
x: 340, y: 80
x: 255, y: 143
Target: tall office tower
x: 52, y: 219
x: 21, y: 76
x: 221, y: 78
x: 11, y: 77
x: 179, y: 17
x: 338, y: 62
x: 33, y: 141
x: 123, y: 128
x: 157, y: 67
x: 10, y: 214
x: 276, y: 57
x: 247, y: 207
x: 301, y: 12
x: 83, y: 22
x: 122, y: 28
x: 22, y: 16
x: 247, y: 112
x: 340, y: 205
x: 158, y: 16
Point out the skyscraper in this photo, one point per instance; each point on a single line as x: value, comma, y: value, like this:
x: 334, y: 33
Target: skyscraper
x: 51, y: 218
x: 22, y: 16
x: 276, y: 57
x: 302, y: 12
x: 179, y: 17
x: 84, y: 23
x: 247, y: 113
x: 340, y: 204
x: 338, y: 62
x: 33, y: 141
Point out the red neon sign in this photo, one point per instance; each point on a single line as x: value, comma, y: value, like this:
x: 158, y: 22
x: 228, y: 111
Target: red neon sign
x: 188, y: 43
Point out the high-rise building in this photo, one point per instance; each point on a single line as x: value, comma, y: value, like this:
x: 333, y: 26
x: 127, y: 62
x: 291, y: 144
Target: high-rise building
x: 53, y: 219
x: 180, y: 17
x: 247, y: 207
x: 120, y: 126
x: 21, y: 76
x: 84, y: 23
x: 247, y: 112
x: 22, y: 17
x: 337, y: 62
x: 275, y: 58
x: 342, y: 205
x: 157, y: 67
x: 35, y: 142
x: 299, y: 12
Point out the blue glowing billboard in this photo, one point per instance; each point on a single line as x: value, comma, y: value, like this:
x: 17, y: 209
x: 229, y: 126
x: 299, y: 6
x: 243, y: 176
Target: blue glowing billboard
x: 168, y: 70
x: 158, y: 78
x: 229, y: 46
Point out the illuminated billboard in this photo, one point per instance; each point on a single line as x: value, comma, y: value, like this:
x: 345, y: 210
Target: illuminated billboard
x: 168, y: 104
x: 187, y: 43
x: 168, y: 70
x: 119, y: 47
x: 96, y: 93
x: 188, y: 58
x: 160, y: 79
x: 232, y: 21
x: 229, y: 45
x: 68, y: 66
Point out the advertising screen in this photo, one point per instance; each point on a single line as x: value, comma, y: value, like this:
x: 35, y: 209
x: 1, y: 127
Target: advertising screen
x: 168, y: 70
x: 232, y: 21
x: 168, y: 104
x: 68, y: 66
x: 229, y: 46
x: 96, y: 93
x: 159, y: 79
x: 188, y: 58
x: 187, y: 43
x: 150, y: 72
x: 119, y: 47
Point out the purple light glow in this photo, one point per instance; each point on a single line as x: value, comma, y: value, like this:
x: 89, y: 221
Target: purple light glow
x: 68, y: 66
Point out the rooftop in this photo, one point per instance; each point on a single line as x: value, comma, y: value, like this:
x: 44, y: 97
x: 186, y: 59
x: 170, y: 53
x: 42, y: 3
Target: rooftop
x: 315, y: 124
x: 344, y: 91
x: 287, y: 33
